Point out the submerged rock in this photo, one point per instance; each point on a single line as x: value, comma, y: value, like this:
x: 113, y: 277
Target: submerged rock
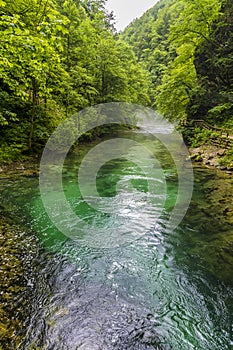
x: 14, y: 260
x: 210, y: 217
x: 209, y: 155
x: 97, y: 321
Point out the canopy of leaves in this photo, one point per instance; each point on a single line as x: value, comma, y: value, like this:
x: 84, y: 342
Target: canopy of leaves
x: 57, y: 57
x: 214, y: 66
x: 186, y: 45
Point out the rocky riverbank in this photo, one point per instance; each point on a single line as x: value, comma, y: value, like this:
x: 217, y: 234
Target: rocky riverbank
x: 211, y: 156
x: 14, y: 285
x: 30, y: 165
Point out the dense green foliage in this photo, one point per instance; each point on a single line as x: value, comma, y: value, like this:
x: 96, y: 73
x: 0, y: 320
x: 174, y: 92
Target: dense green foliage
x: 57, y: 57
x: 187, y: 47
x: 60, y: 56
x: 214, y: 65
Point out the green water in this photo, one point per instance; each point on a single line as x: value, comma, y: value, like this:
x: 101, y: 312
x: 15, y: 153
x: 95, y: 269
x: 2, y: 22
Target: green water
x: 162, y: 290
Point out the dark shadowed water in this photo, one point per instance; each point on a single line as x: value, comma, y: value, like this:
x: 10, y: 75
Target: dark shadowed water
x: 163, y: 290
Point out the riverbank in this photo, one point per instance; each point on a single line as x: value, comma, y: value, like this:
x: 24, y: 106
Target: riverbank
x: 212, y: 157
x: 16, y: 263
x: 30, y: 165
x: 208, y: 155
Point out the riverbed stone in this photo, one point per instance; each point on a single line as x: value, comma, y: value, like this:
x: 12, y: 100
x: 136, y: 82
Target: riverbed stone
x: 211, y: 218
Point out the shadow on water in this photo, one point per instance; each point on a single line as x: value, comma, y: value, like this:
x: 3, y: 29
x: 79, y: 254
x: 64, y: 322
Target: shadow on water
x: 162, y: 291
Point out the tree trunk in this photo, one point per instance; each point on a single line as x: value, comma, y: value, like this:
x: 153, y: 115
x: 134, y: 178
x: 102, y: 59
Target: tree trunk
x: 33, y: 114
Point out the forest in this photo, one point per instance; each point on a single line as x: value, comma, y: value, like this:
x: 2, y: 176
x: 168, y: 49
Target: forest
x: 187, y: 48
x: 58, y: 57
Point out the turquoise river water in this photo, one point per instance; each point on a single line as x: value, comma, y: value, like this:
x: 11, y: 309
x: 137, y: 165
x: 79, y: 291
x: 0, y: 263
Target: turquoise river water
x: 163, y: 290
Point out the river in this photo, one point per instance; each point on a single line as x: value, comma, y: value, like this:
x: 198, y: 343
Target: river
x: 162, y: 290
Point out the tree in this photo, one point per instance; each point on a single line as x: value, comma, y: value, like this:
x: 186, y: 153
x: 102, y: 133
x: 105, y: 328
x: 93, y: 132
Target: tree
x: 30, y: 64
x: 187, y: 31
x: 165, y: 40
x: 214, y: 62
x: 57, y: 57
